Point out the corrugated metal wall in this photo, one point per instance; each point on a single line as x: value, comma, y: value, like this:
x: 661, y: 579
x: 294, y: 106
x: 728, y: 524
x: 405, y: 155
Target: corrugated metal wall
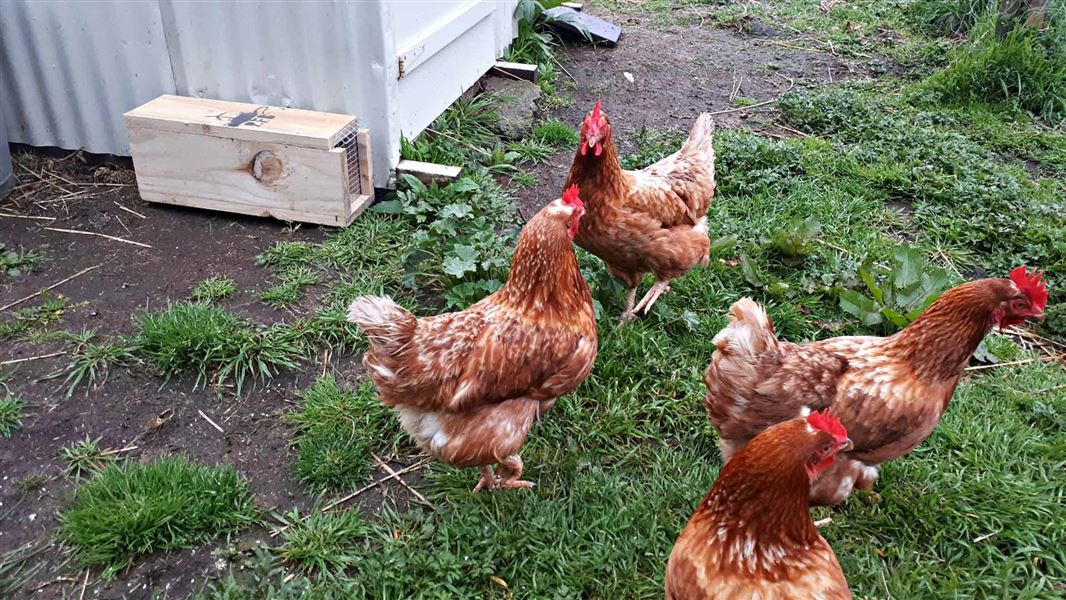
x: 70, y: 69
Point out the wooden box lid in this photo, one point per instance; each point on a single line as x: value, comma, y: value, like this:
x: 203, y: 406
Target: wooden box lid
x: 242, y: 121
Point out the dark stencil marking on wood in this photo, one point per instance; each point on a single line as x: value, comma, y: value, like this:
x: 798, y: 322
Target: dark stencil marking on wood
x: 253, y: 118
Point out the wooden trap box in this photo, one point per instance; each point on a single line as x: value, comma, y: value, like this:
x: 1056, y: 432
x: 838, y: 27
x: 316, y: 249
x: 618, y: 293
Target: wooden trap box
x: 286, y: 163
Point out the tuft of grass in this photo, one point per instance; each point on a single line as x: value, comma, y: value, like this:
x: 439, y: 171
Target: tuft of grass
x: 85, y: 457
x: 216, y: 345
x: 335, y: 430
x: 129, y: 510
x: 949, y: 17
x: 18, y: 262
x: 555, y: 133
x: 27, y: 485
x: 290, y: 290
x: 25, y: 322
x: 1016, y: 71
x: 531, y: 150
x: 214, y: 288
x: 91, y: 362
x: 321, y: 543
x: 11, y: 414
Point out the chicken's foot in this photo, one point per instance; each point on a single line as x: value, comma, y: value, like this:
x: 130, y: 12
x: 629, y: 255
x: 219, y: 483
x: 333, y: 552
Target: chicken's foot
x: 509, y: 470
x: 658, y: 289
x: 630, y: 299
x: 488, y: 479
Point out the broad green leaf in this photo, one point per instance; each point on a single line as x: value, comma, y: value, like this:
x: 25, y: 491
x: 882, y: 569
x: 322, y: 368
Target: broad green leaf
x: 388, y: 207
x: 860, y: 306
x: 908, y: 268
x: 463, y: 185
x: 871, y: 283
x: 895, y: 317
x: 458, y: 210
x: 751, y: 272
x: 723, y: 243
x: 413, y: 183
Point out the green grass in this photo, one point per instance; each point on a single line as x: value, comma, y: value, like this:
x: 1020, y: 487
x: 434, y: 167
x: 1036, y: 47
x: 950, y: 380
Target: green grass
x: 334, y: 432
x: 91, y: 362
x: 130, y: 510
x: 323, y: 544
x: 18, y: 262
x: 290, y: 290
x: 217, y: 287
x: 214, y: 344
x: 85, y: 457
x: 30, y: 321
x: 974, y: 188
x: 556, y: 133
x: 1018, y: 71
x: 11, y: 414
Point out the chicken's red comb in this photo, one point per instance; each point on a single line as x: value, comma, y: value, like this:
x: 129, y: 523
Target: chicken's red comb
x: 1030, y: 283
x: 828, y: 421
x: 570, y: 197
x: 596, y: 111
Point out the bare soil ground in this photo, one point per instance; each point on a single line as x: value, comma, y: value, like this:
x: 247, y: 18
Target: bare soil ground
x: 678, y: 72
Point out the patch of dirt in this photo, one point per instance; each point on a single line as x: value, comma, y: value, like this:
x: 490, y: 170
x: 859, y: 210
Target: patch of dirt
x: 677, y: 72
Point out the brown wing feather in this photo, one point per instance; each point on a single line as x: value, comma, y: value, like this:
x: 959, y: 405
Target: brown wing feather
x: 458, y: 361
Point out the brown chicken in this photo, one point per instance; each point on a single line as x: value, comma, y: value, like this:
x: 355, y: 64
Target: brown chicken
x: 651, y: 220
x: 890, y: 392
x: 752, y: 536
x: 468, y: 385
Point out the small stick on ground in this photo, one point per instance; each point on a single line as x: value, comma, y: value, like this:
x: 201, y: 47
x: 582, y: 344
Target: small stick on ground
x: 53, y: 286
x: 389, y: 470
x: 84, y: 583
x: 1050, y: 389
x: 371, y: 485
x: 791, y: 130
x: 11, y: 216
x: 791, y: 84
x: 208, y: 419
x: 119, y: 451
x: 129, y: 210
x: 31, y: 358
x: 55, y: 581
x: 393, y: 475
x: 103, y: 235
x: 823, y: 522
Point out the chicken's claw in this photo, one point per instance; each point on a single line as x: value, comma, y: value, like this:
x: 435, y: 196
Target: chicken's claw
x: 488, y: 480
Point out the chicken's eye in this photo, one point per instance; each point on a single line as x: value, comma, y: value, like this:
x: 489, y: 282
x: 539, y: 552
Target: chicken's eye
x: 825, y: 449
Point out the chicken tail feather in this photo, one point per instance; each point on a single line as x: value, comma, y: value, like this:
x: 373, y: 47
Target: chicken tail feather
x: 701, y: 137
x: 750, y: 331
x: 388, y: 325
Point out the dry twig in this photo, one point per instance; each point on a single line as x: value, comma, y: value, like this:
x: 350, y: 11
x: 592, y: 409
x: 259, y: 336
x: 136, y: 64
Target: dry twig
x: 53, y: 286
x: 373, y: 484
x: 129, y: 210
x: 208, y: 419
x: 103, y: 235
x: 31, y: 358
x: 13, y: 216
x: 399, y: 479
x: 791, y: 84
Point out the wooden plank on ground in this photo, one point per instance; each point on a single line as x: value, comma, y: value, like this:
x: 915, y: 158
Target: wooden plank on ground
x: 428, y: 172
x: 520, y: 70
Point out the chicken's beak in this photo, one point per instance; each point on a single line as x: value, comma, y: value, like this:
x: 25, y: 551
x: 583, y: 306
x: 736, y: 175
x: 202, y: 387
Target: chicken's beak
x: 846, y: 445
